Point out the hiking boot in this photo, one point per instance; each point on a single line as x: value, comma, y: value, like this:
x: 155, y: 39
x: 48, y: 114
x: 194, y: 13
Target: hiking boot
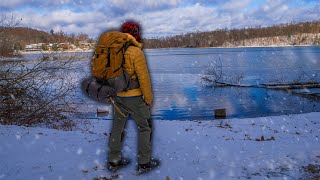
x: 143, y: 168
x: 112, y: 166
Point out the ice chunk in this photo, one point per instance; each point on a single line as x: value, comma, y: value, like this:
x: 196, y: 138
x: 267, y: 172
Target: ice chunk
x: 79, y: 151
x: 98, y: 151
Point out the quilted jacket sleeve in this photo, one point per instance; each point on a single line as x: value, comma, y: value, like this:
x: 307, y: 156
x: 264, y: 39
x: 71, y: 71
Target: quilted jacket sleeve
x: 141, y: 70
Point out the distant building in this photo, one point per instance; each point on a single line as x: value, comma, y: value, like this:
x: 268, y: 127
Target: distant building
x: 85, y: 44
x: 34, y: 47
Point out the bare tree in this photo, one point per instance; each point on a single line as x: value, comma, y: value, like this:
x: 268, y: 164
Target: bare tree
x: 215, y: 77
x: 37, y: 92
x: 40, y: 92
x: 7, y: 42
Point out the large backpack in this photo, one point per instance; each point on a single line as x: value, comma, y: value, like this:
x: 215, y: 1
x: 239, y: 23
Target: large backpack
x: 107, y: 69
x: 108, y: 56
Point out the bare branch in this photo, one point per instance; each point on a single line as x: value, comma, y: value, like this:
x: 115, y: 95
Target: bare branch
x: 37, y: 92
x: 214, y: 77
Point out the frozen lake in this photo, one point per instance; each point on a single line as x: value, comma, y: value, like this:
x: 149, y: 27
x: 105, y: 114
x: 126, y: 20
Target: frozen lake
x: 179, y: 93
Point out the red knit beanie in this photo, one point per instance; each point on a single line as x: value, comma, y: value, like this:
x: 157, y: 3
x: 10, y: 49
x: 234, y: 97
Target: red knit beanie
x: 133, y: 29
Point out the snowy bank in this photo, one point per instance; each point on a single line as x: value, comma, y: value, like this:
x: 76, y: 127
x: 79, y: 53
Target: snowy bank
x: 256, y: 148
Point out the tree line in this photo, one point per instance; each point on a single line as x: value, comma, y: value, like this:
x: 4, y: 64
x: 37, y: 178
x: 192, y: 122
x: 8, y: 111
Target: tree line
x: 26, y: 35
x: 13, y: 37
x: 217, y: 38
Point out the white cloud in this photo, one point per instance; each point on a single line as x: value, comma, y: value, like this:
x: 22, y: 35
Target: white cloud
x: 48, y: 5
x: 144, y: 4
x: 178, y: 20
x: 281, y: 11
x: 67, y: 16
x: 65, y: 20
x: 158, y: 18
x: 275, y: 7
x: 10, y: 3
x: 236, y: 5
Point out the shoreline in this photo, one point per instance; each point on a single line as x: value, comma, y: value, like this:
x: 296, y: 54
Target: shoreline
x: 235, y: 47
x: 53, y: 52
x: 221, y: 47
x: 268, y: 46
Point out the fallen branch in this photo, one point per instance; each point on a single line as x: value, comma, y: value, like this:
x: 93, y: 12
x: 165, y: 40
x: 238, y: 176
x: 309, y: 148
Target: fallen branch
x: 294, y: 85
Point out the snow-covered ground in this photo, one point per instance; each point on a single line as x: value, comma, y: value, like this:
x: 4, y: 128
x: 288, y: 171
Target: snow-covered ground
x: 219, y: 149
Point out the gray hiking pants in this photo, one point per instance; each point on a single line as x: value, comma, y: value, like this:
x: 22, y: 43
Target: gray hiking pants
x: 140, y: 112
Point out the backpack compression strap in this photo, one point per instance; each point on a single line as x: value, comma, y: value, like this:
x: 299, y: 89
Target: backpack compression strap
x: 123, y: 49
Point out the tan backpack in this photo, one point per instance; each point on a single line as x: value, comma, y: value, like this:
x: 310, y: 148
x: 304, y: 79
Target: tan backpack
x: 108, y: 57
x: 109, y: 74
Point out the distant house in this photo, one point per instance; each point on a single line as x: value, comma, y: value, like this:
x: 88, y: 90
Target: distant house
x: 34, y: 47
x: 85, y: 44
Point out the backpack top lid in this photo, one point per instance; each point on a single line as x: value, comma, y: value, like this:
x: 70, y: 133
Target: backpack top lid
x: 115, y: 39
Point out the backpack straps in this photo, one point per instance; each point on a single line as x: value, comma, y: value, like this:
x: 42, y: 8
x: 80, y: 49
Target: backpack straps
x: 108, y: 56
x: 123, y: 49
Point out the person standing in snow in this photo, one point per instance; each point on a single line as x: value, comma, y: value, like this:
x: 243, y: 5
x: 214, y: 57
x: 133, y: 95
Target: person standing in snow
x: 136, y: 102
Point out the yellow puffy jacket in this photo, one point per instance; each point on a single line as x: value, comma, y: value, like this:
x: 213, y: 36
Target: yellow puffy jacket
x: 136, y: 66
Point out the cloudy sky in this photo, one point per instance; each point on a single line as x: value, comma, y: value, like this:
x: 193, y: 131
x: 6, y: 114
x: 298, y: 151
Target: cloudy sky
x: 157, y: 17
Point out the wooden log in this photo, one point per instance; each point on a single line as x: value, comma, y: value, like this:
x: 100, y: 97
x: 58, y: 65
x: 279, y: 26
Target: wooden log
x: 220, y: 113
x: 102, y: 112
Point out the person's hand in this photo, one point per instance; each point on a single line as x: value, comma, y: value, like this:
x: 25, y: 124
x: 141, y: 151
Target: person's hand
x: 149, y: 104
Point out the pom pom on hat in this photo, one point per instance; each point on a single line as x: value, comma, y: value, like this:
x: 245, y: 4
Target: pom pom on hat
x: 133, y: 29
